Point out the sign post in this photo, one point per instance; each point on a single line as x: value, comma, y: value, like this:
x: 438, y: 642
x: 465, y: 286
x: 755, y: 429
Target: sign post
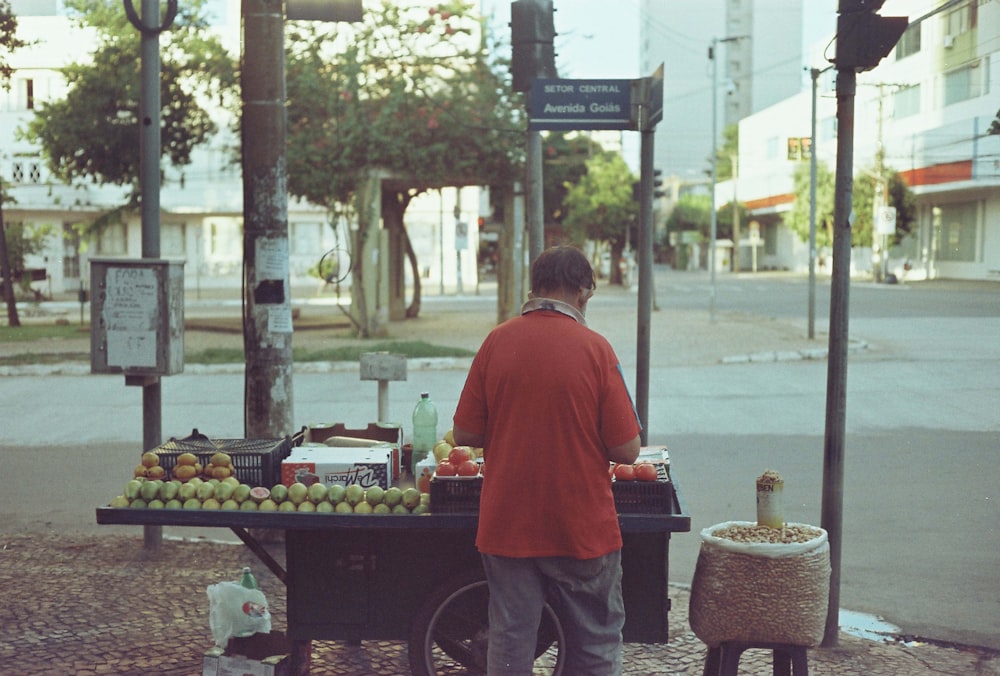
x: 631, y: 105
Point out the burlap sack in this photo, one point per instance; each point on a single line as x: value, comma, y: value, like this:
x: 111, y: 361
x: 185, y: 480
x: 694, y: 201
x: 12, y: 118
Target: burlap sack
x: 767, y: 593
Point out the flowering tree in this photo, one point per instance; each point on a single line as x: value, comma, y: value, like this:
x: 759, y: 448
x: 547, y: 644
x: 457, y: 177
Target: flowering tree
x: 408, y: 95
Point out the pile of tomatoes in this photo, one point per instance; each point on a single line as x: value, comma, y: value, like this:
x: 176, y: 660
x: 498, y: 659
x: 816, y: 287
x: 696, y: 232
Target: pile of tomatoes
x: 460, y: 462
x: 641, y: 471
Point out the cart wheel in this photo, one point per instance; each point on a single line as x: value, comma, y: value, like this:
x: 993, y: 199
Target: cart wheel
x: 450, y: 631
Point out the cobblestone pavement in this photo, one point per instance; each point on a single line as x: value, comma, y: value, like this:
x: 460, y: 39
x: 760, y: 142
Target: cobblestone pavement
x: 90, y: 605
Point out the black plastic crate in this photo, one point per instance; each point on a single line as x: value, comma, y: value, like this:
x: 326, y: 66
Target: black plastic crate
x: 451, y: 495
x: 643, y: 497
x: 255, y: 461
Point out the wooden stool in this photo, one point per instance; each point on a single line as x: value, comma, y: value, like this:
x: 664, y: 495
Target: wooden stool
x: 788, y: 659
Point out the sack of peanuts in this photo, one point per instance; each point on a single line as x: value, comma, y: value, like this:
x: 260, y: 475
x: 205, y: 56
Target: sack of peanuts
x: 759, y: 584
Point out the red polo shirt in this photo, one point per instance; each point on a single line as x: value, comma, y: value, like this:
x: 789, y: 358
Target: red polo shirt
x: 549, y: 397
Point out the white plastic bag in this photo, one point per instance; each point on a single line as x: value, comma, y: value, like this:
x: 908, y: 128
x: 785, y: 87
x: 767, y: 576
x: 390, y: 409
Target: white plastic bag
x: 235, y: 610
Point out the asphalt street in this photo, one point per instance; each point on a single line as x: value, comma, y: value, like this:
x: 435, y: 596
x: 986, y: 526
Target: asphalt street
x: 920, y: 494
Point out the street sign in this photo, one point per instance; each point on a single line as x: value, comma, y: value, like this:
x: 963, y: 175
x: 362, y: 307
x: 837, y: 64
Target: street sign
x: 885, y: 220
x: 580, y: 104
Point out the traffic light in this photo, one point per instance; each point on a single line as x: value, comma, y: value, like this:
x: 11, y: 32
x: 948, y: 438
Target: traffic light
x: 863, y: 37
x: 532, y: 31
x: 658, y: 192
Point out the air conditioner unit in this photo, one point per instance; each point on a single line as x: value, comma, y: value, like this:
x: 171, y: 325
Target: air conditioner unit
x: 949, y: 41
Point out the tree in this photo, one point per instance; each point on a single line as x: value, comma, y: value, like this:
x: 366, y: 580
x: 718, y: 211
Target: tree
x: 409, y: 94
x: 9, y: 42
x: 797, y: 219
x: 900, y: 197
x: 691, y: 213
x: 995, y: 125
x: 92, y: 134
x: 600, y: 206
x: 564, y: 162
x: 727, y: 152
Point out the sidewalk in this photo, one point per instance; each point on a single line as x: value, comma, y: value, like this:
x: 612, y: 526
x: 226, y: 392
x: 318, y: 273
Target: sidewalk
x: 102, y: 605
x: 85, y: 604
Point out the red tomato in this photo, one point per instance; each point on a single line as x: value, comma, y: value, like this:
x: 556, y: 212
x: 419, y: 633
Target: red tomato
x: 468, y: 468
x: 459, y: 454
x: 625, y: 472
x: 645, y: 471
x: 445, y: 468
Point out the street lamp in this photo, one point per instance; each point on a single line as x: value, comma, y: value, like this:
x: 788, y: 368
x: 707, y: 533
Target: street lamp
x: 714, y: 219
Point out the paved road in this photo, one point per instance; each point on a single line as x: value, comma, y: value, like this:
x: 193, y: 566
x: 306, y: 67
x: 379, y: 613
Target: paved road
x: 922, y: 448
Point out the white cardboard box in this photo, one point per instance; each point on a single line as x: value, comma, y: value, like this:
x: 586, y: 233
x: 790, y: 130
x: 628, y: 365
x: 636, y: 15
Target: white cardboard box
x: 366, y: 467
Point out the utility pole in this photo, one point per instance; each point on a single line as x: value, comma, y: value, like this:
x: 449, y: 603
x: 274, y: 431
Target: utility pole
x: 863, y: 39
x: 267, y: 324
x: 713, y: 227
x: 532, y: 34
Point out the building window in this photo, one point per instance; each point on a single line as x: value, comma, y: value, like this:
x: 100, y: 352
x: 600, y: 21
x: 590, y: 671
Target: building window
x: 71, y: 252
x: 906, y: 101
x: 957, y: 226
x: 112, y: 241
x: 961, y: 20
x: 909, y: 43
x: 967, y: 82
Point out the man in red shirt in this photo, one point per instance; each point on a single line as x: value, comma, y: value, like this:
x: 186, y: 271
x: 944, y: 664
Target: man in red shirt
x: 546, y: 399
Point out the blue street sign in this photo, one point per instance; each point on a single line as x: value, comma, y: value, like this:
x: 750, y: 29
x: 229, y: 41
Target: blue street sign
x: 580, y: 104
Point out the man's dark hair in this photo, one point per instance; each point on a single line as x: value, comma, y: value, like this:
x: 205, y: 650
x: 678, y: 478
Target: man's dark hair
x: 561, y: 268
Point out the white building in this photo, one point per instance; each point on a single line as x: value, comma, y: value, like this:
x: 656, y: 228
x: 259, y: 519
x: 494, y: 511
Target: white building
x: 929, y: 104
x: 202, y: 204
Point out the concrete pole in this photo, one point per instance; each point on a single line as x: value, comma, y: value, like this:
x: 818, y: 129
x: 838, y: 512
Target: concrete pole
x: 714, y: 56
x: 267, y: 323
x: 645, y: 292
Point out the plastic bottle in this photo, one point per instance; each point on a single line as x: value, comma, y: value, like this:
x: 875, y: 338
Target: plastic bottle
x: 425, y: 420
x: 248, y: 579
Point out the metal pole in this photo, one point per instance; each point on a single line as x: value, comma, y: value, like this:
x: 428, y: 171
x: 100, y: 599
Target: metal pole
x: 836, y: 381
x: 645, y: 294
x: 714, y: 220
x: 814, y: 73
x: 535, y: 203
x: 149, y: 182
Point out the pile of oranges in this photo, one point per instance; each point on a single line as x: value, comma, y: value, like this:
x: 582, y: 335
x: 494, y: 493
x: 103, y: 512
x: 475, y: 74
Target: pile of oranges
x: 219, y: 466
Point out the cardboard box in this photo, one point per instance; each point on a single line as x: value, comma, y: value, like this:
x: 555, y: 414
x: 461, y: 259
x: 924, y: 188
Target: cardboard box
x: 345, y: 466
x: 339, y: 434
x: 258, y: 655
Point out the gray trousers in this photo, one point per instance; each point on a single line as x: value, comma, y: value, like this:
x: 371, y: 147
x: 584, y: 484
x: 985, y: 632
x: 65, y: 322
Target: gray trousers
x: 587, y: 597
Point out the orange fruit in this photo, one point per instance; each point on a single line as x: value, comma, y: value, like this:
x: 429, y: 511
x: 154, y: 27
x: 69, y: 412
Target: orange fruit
x: 222, y: 472
x: 140, y: 470
x: 184, y: 472
x: 187, y: 459
x: 221, y: 459
x: 155, y: 472
x: 150, y: 459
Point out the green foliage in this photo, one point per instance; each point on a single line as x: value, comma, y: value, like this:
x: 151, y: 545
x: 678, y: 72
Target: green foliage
x: 724, y: 220
x: 407, y: 91
x: 92, y: 134
x: 862, y: 203
x: 21, y: 243
x: 729, y: 149
x: 863, y: 198
x: 564, y: 162
x: 600, y: 205
x: 692, y: 212
x: 9, y: 42
x: 798, y: 218
x: 994, y: 125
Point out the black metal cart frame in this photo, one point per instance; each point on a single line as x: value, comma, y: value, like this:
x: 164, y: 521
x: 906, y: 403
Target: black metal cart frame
x: 419, y: 578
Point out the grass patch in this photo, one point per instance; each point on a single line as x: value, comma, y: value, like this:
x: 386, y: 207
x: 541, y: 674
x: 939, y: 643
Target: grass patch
x: 412, y: 349
x: 32, y: 332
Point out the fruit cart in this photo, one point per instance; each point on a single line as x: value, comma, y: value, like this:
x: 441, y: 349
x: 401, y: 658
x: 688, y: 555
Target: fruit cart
x: 418, y: 578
